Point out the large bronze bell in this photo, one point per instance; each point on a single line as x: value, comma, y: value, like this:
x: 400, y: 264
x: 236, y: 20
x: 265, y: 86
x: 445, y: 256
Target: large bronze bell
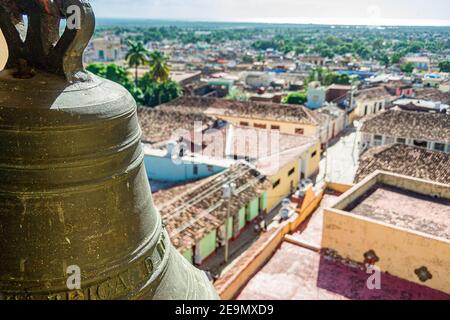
x: 74, y: 195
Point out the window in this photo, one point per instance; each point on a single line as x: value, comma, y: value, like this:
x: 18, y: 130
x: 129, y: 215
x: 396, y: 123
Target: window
x: 439, y: 146
x: 195, y: 168
x: 380, y: 106
x: 235, y: 157
x: 291, y: 172
x: 365, y: 110
x: 389, y: 140
x: 420, y: 143
x: 210, y: 168
x: 313, y: 154
x: 401, y: 140
x: 260, y: 126
x: 299, y: 131
x: 275, y: 127
x: 377, y: 140
x: 244, y: 123
x: 276, y: 184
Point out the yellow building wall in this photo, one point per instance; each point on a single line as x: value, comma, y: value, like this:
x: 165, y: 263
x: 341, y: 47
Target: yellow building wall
x: 312, y: 162
x: 274, y: 196
x: 400, y: 252
x: 3, y: 51
x: 285, y: 127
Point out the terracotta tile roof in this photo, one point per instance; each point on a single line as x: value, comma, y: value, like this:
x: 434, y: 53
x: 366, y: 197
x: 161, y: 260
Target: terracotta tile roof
x: 269, y: 150
x: 339, y: 87
x: 375, y: 93
x: 398, y: 84
x: 432, y: 94
x: 406, y: 160
x: 158, y: 125
x: 409, y: 124
x: 249, y: 109
x: 253, y: 142
x: 191, y: 211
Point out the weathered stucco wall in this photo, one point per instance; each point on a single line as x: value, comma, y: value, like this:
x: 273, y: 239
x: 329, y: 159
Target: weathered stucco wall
x: 400, y: 251
x: 285, y: 127
x: 282, y: 190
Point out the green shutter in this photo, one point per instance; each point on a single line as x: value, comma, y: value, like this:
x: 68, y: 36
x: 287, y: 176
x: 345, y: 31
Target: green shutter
x: 207, y: 245
x: 242, y: 218
x: 263, y: 201
x: 252, y: 210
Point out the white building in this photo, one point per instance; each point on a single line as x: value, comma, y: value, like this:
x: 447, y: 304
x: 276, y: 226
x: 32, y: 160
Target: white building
x: 370, y: 101
x: 428, y: 130
x: 258, y: 79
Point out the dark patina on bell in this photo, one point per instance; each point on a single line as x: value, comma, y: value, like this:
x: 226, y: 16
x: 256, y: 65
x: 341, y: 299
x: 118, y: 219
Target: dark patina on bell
x: 74, y: 195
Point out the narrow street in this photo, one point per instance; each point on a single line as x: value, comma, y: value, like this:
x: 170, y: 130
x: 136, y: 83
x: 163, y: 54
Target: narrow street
x: 216, y: 263
x: 339, y: 162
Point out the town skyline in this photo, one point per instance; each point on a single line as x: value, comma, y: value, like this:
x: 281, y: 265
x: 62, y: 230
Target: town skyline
x: 373, y: 13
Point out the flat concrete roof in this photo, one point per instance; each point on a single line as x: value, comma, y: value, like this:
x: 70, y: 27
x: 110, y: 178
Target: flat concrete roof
x: 402, y: 202
x: 405, y: 209
x: 311, y: 230
x: 296, y: 273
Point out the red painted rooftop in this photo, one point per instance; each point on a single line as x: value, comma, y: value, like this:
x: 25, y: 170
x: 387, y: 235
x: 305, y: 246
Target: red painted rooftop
x: 296, y: 273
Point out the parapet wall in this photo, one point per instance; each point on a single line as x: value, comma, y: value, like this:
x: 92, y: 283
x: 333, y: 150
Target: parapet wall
x: 400, y: 252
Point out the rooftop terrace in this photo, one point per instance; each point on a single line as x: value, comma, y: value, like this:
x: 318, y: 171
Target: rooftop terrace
x: 249, y: 109
x: 296, y: 273
x: 401, y: 202
x: 405, y: 209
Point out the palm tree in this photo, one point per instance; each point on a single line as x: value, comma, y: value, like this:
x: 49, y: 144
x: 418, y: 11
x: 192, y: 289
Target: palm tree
x: 137, y: 55
x: 159, y: 66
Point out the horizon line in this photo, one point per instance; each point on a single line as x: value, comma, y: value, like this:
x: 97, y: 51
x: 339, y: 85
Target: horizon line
x: 311, y: 21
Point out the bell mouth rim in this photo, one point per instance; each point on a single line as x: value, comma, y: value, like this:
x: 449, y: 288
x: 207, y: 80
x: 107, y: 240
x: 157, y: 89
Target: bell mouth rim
x: 144, y: 253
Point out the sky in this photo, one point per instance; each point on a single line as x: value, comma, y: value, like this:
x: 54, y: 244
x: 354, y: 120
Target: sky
x: 361, y: 12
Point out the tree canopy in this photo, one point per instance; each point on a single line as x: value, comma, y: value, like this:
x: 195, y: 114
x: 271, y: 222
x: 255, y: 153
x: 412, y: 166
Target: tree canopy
x: 137, y: 56
x: 159, y: 66
x: 147, y: 92
x: 296, y: 98
x: 326, y: 77
x: 444, y: 66
x: 407, y: 67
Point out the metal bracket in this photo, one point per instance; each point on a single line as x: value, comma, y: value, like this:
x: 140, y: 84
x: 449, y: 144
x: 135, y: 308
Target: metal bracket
x: 39, y: 45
